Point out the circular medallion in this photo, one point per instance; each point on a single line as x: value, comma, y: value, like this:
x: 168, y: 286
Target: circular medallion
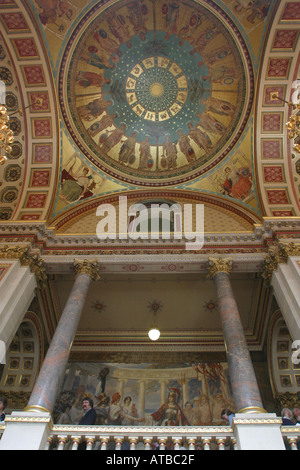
x: 156, y: 93
x: 156, y: 89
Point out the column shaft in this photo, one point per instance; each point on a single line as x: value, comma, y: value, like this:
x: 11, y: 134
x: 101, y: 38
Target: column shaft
x: 50, y: 377
x: 242, y: 376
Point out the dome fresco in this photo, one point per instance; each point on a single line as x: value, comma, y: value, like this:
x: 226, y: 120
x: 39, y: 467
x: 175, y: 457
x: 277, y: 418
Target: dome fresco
x: 156, y: 92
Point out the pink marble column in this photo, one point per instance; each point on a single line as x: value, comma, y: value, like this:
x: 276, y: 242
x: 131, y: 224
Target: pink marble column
x: 48, y: 383
x: 242, y: 376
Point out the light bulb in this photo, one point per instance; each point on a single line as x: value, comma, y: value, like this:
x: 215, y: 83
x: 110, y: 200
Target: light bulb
x: 154, y: 334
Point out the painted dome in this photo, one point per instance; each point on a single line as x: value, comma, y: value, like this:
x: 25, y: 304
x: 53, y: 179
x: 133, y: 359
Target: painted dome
x: 156, y: 93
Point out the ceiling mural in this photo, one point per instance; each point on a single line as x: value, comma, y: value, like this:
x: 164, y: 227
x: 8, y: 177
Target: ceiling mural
x: 156, y: 91
x: 148, y: 94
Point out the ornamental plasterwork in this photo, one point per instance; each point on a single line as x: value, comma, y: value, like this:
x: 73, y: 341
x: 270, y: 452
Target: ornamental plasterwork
x: 278, y: 255
x: 33, y: 260
x: 90, y: 268
x: 221, y: 265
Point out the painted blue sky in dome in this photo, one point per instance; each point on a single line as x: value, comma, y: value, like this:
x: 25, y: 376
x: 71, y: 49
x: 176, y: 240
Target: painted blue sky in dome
x: 193, y: 70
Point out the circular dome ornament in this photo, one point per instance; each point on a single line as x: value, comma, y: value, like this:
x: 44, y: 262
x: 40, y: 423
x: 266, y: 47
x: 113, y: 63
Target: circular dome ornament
x: 156, y: 94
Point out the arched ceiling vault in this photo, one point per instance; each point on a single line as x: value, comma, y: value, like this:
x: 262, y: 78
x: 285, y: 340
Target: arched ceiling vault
x: 148, y: 97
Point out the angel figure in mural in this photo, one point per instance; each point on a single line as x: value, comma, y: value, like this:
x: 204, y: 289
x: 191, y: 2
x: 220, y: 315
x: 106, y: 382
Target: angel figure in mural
x: 76, y: 186
x: 53, y: 9
x: 258, y: 9
x: 170, y: 413
x: 238, y: 183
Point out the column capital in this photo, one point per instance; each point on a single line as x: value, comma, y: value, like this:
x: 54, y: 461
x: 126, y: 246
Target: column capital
x: 91, y: 268
x: 220, y: 265
x: 33, y: 260
x: 279, y: 254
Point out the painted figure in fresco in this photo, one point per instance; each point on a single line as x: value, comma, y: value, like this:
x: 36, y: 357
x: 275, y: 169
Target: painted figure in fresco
x: 75, y: 186
x: 137, y: 14
x: 92, y: 58
x: 107, y: 44
x: 221, y: 74
x: 102, y: 408
x: 106, y: 121
x: 210, y: 124
x: 130, y: 413
x: 86, y: 79
x: 109, y: 140
x: 204, y: 407
x: 215, y: 105
x: 170, y: 413
x: 237, y: 183
x: 145, y: 154
x: 259, y: 9
x: 170, y: 150
x: 170, y: 11
x: 200, y: 137
x: 203, y: 39
x: 211, y: 57
x: 127, y: 152
x: 218, y: 404
x: 188, y: 32
x: 117, y: 25
x: 93, y: 109
x: 52, y: 10
x: 118, y: 414
x: 185, y: 147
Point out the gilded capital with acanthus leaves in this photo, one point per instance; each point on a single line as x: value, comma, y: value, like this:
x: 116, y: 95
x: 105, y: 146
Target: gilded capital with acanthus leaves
x: 89, y: 267
x: 220, y: 265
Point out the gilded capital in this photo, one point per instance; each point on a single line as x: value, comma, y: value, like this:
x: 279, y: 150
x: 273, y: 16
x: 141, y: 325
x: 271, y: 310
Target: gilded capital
x: 91, y: 268
x: 279, y: 255
x: 22, y: 253
x: 37, y: 267
x: 220, y: 265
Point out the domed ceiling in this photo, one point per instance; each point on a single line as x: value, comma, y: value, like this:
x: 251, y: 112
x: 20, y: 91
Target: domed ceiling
x: 156, y: 92
x: 156, y: 100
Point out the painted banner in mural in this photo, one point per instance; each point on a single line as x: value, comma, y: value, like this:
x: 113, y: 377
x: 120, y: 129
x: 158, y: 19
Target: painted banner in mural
x: 146, y: 394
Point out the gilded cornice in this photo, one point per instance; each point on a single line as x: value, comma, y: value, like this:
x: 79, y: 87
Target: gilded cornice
x: 279, y: 255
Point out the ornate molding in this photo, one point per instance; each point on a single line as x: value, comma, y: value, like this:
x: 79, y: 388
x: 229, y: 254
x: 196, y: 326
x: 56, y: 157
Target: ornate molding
x: 288, y: 400
x: 91, y: 268
x: 33, y: 260
x: 279, y: 255
x: 220, y: 265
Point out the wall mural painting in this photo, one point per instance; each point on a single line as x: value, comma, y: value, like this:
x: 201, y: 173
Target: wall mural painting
x: 146, y: 395
x: 234, y: 178
x: 155, y: 90
x: 78, y: 182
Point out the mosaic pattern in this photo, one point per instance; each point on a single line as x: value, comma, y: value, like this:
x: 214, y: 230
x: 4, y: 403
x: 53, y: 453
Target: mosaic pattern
x: 155, y: 92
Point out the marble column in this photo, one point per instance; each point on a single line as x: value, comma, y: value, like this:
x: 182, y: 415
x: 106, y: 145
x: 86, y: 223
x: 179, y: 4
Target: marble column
x: 242, y: 376
x: 52, y: 372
